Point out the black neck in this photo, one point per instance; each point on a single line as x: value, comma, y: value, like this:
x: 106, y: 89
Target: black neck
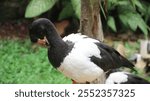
x: 53, y: 38
x: 58, y: 48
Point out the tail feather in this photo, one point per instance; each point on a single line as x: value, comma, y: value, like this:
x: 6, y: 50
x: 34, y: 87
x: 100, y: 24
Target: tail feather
x: 127, y: 63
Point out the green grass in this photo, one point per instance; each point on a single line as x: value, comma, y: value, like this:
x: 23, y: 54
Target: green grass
x: 21, y: 63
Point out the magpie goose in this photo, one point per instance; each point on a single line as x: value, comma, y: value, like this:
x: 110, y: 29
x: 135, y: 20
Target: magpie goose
x: 118, y: 77
x: 77, y: 56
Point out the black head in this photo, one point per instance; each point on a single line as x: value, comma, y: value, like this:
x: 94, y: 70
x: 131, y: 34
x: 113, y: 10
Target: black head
x: 38, y: 30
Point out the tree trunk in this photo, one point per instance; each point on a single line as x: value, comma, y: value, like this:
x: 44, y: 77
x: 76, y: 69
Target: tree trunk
x: 90, y: 23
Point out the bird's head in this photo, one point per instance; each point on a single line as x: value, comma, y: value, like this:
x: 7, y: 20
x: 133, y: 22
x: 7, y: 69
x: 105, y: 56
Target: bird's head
x: 38, y: 31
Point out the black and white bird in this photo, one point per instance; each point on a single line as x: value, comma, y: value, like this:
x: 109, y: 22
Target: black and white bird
x: 77, y: 56
x: 119, y: 77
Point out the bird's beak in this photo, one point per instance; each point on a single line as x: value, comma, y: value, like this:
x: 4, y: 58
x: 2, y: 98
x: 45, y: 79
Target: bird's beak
x: 43, y: 42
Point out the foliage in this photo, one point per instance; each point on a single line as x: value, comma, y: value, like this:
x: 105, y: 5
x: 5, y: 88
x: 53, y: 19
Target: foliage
x: 67, y: 11
x: 36, y: 8
x: 77, y: 7
x: 111, y: 23
x: 22, y: 63
x: 121, y: 14
x: 133, y: 14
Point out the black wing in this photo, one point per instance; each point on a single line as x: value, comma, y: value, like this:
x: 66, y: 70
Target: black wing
x: 111, y: 59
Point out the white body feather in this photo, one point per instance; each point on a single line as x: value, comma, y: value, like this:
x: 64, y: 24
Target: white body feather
x: 77, y: 64
x: 117, y: 77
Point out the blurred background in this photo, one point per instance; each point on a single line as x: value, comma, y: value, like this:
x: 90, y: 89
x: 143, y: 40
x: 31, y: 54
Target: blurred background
x: 126, y: 27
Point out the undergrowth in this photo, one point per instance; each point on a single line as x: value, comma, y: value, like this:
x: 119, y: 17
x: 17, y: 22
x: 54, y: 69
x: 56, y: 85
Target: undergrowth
x: 23, y: 63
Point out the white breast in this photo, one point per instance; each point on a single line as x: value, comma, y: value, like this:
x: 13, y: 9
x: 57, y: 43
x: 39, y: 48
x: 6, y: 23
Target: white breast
x: 77, y: 64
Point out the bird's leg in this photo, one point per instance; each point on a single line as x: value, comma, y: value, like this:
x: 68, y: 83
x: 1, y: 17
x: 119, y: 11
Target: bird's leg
x: 74, y: 82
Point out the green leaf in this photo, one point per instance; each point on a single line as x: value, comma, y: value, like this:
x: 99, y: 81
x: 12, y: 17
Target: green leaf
x: 137, y: 3
x: 37, y: 7
x: 77, y: 7
x: 111, y: 23
x: 66, y: 12
x: 142, y: 25
x: 147, y: 14
x: 123, y: 19
x: 132, y: 21
x: 126, y: 2
x: 133, y: 25
x: 103, y: 12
